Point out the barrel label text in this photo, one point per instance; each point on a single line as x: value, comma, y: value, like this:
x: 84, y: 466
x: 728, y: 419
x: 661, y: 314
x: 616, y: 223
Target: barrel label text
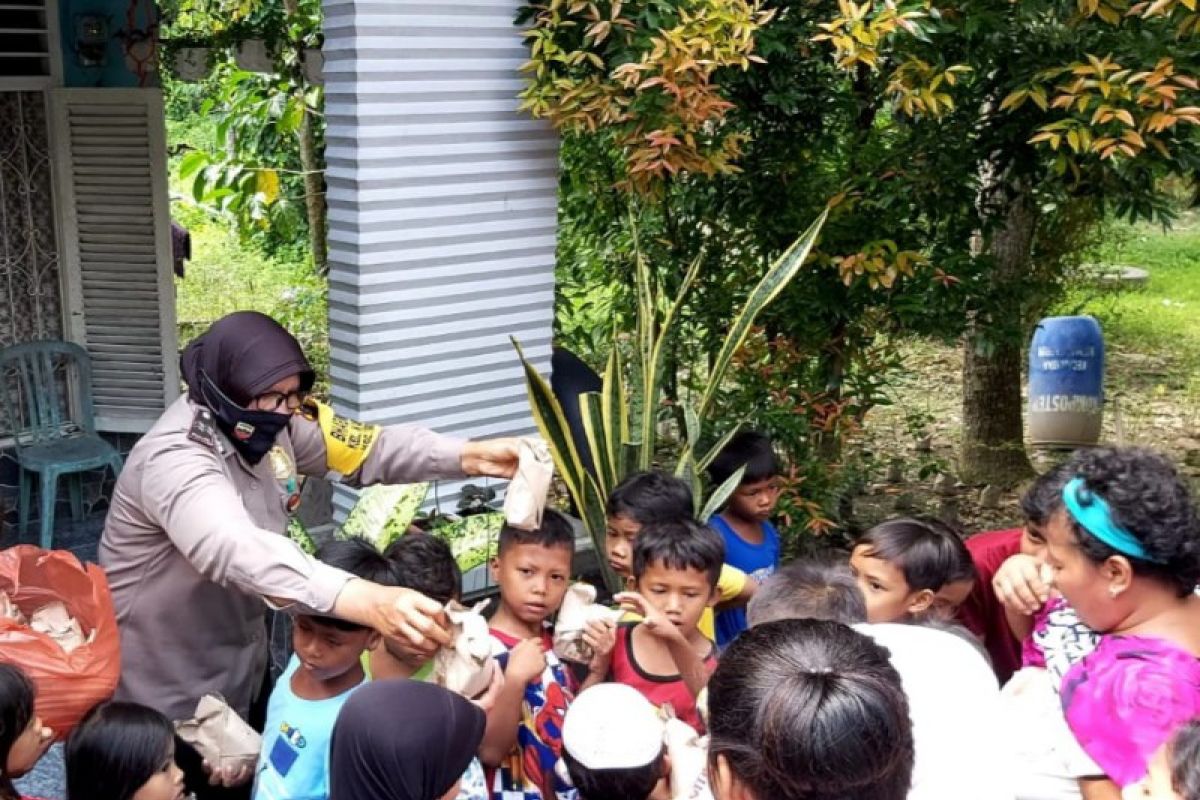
x: 1065, y: 402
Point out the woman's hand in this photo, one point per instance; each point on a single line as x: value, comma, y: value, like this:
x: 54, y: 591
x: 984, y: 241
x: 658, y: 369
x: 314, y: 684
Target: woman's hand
x: 492, y: 458
x: 1020, y: 584
x: 416, y: 623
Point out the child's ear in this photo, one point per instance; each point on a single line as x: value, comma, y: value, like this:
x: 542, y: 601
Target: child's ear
x: 921, y: 601
x: 373, y: 640
x: 722, y: 781
x: 713, y: 597
x: 494, y: 569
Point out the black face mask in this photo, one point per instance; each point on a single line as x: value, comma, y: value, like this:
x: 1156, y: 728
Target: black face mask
x: 251, y: 432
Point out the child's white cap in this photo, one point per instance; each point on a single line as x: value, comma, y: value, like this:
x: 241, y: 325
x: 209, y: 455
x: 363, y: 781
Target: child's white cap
x: 612, y: 726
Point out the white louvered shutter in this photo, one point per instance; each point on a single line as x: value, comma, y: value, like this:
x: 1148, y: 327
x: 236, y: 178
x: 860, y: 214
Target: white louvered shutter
x: 26, y: 34
x: 442, y: 216
x: 112, y: 176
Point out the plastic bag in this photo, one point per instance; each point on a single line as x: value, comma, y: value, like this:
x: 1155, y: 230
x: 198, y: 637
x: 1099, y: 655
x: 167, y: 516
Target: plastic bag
x: 579, y: 607
x: 68, y: 684
x: 688, y: 751
x: 219, y: 735
x: 466, y: 666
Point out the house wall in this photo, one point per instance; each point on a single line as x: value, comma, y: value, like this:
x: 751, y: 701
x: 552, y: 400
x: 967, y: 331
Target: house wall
x: 442, y: 216
x: 115, y: 72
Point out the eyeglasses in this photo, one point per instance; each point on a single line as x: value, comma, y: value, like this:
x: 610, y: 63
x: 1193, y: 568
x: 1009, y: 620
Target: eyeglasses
x: 272, y: 401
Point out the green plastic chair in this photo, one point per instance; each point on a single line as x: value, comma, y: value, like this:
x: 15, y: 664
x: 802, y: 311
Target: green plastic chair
x: 46, y: 394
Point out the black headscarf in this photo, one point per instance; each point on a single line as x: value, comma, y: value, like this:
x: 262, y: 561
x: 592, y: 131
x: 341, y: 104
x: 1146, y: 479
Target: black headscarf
x: 402, y: 740
x: 243, y: 354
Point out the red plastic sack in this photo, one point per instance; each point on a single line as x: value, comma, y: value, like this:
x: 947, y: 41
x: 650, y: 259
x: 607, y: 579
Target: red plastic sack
x: 68, y: 684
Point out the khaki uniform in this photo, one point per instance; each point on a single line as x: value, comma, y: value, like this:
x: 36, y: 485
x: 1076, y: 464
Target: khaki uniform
x: 192, y: 545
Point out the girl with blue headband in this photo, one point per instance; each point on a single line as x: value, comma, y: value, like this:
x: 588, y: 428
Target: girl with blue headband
x: 1125, y: 554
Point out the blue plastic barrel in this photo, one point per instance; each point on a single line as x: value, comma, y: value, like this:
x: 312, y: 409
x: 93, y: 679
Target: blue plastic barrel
x: 1066, y: 382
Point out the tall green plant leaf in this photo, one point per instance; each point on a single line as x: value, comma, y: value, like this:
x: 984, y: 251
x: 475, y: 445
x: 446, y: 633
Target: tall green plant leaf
x: 777, y: 277
x: 592, y: 415
x: 552, y: 424
x: 647, y: 316
x: 721, y: 494
x: 716, y: 449
x: 614, y: 406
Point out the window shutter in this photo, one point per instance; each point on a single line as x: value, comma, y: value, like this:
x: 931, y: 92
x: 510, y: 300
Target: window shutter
x: 116, y: 236
x: 25, y: 39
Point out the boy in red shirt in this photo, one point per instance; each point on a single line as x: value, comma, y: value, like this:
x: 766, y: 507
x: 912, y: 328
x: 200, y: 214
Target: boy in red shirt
x: 665, y: 656
x: 983, y: 613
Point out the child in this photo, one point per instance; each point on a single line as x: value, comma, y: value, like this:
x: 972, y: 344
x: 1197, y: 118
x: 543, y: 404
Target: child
x: 1175, y: 769
x: 23, y: 738
x: 403, y: 740
x: 523, y: 739
x: 613, y: 745
x: 325, y: 669
x: 648, y: 497
x: 123, y: 751
x: 751, y: 541
x: 424, y: 563
x: 810, y: 589
x: 805, y: 708
x: 665, y: 656
x: 910, y: 567
x: 983, y: 613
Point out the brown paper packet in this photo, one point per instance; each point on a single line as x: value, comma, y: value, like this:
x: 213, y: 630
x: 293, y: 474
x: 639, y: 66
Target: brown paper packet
x: 219, y: 735
x: 526, y: 494
x: 55, y: 621
x: 466, y: 665
x: 9, y: 610
x: 579, y: 607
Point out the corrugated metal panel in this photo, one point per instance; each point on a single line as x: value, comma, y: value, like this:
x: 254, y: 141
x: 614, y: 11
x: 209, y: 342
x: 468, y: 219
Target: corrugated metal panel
x: 442, y: 212
x: 117, y: 232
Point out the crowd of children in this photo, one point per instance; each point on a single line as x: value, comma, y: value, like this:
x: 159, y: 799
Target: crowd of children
x: 1057, y: 660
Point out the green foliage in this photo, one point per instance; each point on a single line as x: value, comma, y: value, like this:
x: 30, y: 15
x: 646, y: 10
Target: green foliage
x: 473, y: 539
x: 605, y: 414
x: 383, y: 512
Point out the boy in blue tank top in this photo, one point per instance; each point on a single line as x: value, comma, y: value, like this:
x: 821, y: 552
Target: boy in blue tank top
x: 751, y: 541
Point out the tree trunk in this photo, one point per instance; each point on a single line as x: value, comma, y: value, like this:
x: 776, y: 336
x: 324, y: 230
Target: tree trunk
x: 993, y: 449
x: 314, y: 193
x: 311, y: 163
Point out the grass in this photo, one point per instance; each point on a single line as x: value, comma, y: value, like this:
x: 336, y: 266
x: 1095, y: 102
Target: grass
x: 1164, y: 317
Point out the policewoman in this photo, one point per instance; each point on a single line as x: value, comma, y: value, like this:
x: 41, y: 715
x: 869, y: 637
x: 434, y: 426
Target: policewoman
x: 193, y: 542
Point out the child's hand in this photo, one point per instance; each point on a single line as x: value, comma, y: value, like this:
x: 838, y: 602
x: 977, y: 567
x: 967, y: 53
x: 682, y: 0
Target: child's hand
x: 1021, y: 585
x: 655, y: 621
x: 526, y: 661
x: 601, y: 636
x: 228, y: 777
x: 487, y: 700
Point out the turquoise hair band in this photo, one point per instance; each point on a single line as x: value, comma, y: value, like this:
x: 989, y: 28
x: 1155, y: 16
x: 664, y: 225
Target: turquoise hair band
x: 1093, y: 514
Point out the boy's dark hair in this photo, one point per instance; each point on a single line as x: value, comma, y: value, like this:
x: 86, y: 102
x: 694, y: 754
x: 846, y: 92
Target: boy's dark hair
x: 1148, y: 499
x: 684, y: 544
x: 635, y: 783
x: 929, y: 552
x: 114, y: 750
x: 650, y: 497
x: 1044, y: 495
x: 555, y: 531
x: 17, y: 696
x: 1185, y: 761
x: 810, y: 589
x: 424, y: 563
x: 749, y: 448
x: 359, y: 557
x: 811, y: 709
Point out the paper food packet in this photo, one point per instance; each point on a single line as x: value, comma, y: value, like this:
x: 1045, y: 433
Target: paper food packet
x: 220, y: 736
x: 579, y: 607
x: 466, y: 665
x: 9, y: 610
x: 55, y: 621
x: 526, y: 495
x: 688, y: 752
